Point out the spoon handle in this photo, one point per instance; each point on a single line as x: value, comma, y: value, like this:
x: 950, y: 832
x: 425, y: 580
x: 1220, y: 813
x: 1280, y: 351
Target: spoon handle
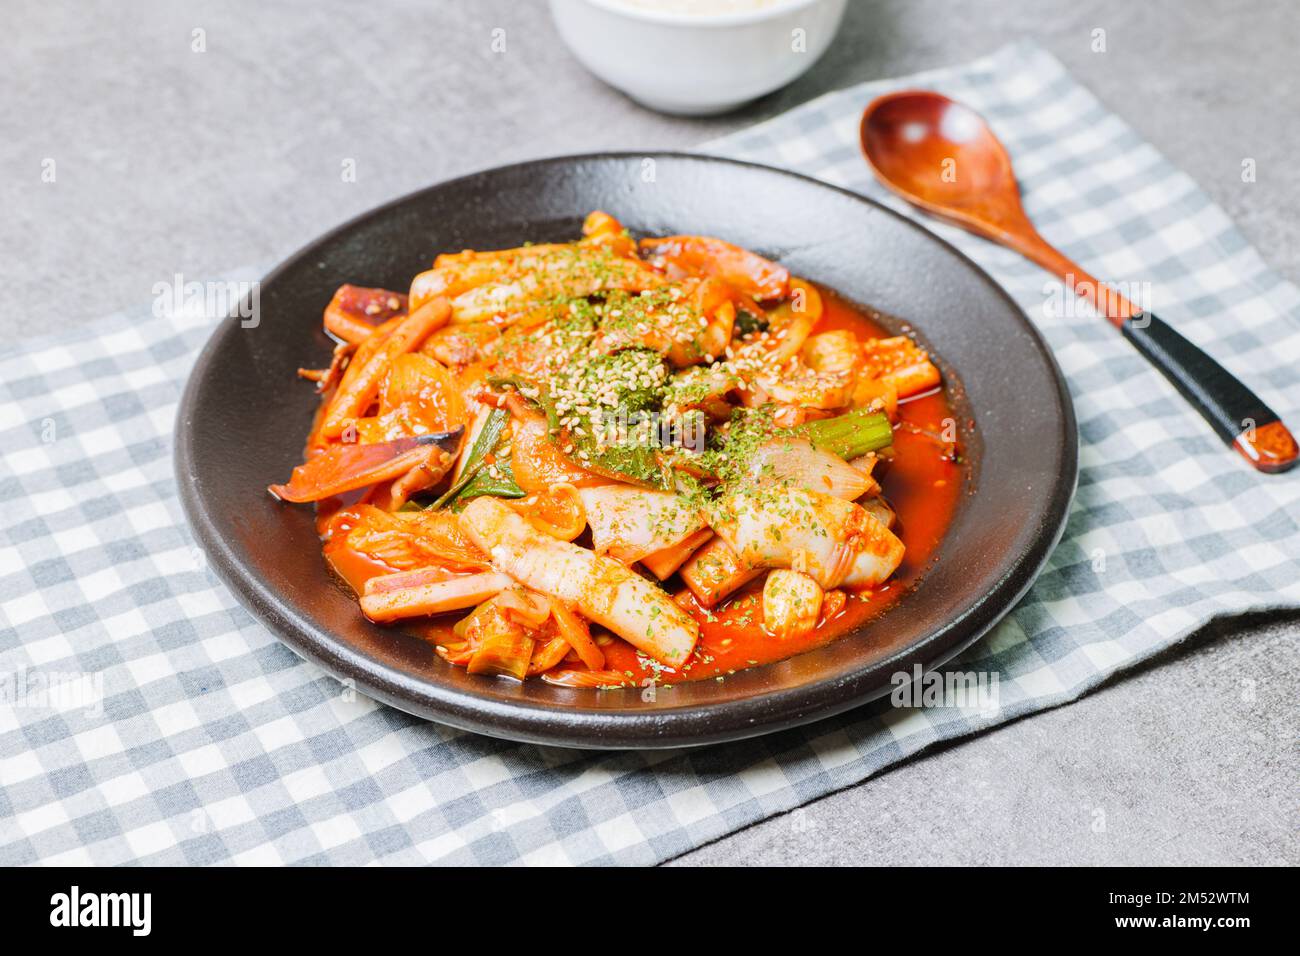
x: 1236, y: 413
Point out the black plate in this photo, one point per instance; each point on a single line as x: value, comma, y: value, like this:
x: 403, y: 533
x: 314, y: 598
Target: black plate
x: 244, y: 416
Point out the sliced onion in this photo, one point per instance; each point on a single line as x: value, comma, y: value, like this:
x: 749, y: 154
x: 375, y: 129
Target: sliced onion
x: 630, y: 523
x: 796, y: 460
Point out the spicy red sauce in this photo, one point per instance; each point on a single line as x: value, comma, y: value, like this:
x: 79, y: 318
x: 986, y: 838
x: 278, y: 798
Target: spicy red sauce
x: 923, y: 484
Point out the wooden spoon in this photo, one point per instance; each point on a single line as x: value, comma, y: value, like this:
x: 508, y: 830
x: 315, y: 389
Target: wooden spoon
x: 942, y: 157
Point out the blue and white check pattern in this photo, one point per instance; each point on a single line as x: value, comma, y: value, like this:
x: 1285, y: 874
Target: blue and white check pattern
x: 213, y: 743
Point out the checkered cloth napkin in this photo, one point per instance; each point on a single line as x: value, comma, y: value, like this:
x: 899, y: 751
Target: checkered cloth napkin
x: 197, y: 738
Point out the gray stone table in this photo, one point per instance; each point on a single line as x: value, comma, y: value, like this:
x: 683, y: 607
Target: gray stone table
x: 170, y: 160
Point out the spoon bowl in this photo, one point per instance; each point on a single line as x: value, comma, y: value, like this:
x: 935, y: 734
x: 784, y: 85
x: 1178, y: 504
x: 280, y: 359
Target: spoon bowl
x: 944, y: 158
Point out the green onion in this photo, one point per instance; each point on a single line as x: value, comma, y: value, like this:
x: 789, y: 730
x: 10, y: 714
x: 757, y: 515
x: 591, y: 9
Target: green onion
x: 489, y: 437
x: 483, y: 482
x: 747, y: 323
x: 636, y: 462
x: 850, y: 435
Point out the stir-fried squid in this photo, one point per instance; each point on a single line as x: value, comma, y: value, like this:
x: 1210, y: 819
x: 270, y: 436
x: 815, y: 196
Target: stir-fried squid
x: 609, y: 461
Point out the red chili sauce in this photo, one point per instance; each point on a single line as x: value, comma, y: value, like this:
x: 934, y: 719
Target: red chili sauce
x: 922, y: 484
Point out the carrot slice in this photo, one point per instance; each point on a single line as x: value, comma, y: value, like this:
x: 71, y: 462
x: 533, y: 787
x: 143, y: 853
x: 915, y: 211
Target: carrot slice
x: 357, y: 391
x: 546, y: 656
x: 575, y: 631
x: 557, y: 511
x: 420, y: 390
x: 664, y: 562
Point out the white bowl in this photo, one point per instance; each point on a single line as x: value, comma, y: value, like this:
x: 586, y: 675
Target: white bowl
x: 695, y: 64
